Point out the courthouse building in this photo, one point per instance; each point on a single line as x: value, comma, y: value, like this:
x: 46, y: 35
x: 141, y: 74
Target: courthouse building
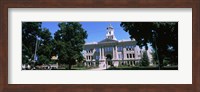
x: 111, y: 51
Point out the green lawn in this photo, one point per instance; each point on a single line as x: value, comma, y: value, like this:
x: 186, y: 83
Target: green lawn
x: 65, y: 67
x: 142, y: 68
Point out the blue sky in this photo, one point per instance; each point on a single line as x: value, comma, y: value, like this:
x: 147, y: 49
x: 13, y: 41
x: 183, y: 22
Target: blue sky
x: 96, y: 30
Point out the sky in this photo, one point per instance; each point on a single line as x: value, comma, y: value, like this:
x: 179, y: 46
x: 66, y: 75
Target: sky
x: 96, y: 30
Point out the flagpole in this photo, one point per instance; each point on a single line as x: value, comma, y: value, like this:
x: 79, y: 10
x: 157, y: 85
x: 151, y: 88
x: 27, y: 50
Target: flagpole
x: 35, y: 49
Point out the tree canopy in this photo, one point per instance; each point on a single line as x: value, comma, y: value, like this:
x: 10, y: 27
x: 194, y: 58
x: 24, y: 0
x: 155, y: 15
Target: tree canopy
x: 45, y: 47
x: 163, y: 36
x: 30, y: 30
x: 36, y: 38
x: 69, y: 41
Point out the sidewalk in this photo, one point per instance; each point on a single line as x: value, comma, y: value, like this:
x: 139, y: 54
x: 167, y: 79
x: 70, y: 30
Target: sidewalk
x: 97, y: 69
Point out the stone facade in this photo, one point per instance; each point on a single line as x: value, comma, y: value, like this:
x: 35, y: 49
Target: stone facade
x: 111, y: 52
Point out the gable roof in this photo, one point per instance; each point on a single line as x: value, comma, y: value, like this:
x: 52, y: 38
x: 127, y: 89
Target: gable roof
x: 107, y: 40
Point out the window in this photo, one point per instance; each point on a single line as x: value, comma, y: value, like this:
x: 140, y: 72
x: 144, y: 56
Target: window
x: 133, y: 55
x: 97, y: 57
x: 127, y: 55
x: 130, y: 55
x: 107, y: 49
x: 119, y: 56
x: 97, y: 49
x: 119, y: 48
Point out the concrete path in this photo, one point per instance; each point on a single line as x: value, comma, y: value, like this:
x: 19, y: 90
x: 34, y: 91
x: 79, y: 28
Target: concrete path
x: 102, y: 66
x: 97, y: 69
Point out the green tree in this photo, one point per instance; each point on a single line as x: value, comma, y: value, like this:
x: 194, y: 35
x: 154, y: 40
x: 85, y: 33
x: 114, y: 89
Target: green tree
x: 145, y: 60
x: 162, y: 35
x: 69, y: 40
x: 30, y: 30
x: 45, y: 47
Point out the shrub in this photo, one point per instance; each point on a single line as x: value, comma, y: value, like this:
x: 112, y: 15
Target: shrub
x: 145, y: 60
x: 165, y: 62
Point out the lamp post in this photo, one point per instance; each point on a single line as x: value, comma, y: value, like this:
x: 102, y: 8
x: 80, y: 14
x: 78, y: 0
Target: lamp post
x: 156, y: 49
x: 35, y: 48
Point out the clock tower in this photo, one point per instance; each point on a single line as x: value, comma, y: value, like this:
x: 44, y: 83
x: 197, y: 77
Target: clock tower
x: 110, y: 33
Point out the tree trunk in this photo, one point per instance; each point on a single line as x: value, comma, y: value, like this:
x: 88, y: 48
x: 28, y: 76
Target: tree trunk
x: 160, y: 58
x: 69, y: 67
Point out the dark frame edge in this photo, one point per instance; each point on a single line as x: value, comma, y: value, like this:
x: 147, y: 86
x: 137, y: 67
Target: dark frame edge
x: 196, y: 44
x: 1, y: 47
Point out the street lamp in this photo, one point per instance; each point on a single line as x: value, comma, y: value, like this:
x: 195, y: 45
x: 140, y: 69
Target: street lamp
x: 156, y: 49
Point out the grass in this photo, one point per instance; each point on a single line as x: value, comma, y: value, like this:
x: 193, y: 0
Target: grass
x: 74, y: 67
x: 142, y: 68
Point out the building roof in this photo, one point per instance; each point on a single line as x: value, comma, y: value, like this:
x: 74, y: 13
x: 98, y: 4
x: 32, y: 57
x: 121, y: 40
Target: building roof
x: 91, y: 43
x: 107, y: 40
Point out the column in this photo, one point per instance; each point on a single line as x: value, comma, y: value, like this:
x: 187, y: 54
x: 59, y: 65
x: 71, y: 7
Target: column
x: 136, y: 53
x: 124, y: 53
x: 100, y: 53
x: 113, y: 53
x: 116, y: 52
